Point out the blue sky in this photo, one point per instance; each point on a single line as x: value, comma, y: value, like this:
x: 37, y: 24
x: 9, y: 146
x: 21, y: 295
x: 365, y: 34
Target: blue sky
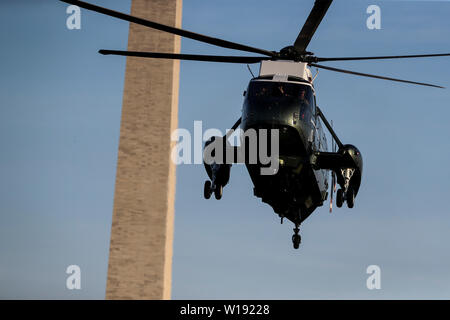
x: 59, y: 129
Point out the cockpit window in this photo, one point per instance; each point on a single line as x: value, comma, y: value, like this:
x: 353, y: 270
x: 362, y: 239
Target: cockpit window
x: 260, y: 91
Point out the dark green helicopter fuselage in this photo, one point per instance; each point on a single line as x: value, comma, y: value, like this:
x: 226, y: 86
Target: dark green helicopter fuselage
x: 289, y: 107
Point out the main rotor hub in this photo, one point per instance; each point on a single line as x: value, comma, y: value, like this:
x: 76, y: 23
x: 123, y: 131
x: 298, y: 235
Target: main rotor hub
x: 291, y: 53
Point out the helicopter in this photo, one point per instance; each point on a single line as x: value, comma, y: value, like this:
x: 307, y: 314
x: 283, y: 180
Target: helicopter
x: 281, y: 98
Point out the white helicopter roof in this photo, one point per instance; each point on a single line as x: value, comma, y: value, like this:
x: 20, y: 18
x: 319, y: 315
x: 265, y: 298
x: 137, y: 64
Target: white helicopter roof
x: 283, y: 69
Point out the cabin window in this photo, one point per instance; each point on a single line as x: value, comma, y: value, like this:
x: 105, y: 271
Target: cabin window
x: 282, y: 93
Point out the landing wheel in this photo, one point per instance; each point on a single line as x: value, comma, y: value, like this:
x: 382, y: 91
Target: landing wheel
x: 296, y: 240
x: 218, y: 192
x: 207, y: 189
x: 339, y: 198
x: 350, y: 198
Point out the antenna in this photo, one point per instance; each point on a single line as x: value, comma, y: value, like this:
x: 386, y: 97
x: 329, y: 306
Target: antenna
x: 248, y: 66
x: 317, y: 73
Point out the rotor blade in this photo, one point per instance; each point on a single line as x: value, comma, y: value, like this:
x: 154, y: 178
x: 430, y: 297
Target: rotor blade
x: 309, y: 28
x: 169, y: 29
x: 382, y: 57
x: 193, y: 57
x: 373, y: 76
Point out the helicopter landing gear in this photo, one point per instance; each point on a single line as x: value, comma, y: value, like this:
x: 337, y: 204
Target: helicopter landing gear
x: 296, y: 238
x: 346, y: 194
x: 339, y: 198
x: 350, y: 198
x: 207, y: 191
x: 215, y: 184
x: 218, y: 191
x: 210, y: 188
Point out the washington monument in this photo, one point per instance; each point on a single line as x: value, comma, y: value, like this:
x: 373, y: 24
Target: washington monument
x: 140, y: 256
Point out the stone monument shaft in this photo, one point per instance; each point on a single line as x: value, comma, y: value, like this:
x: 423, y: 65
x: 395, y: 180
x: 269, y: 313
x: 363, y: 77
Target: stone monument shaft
x: 140, y: 257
